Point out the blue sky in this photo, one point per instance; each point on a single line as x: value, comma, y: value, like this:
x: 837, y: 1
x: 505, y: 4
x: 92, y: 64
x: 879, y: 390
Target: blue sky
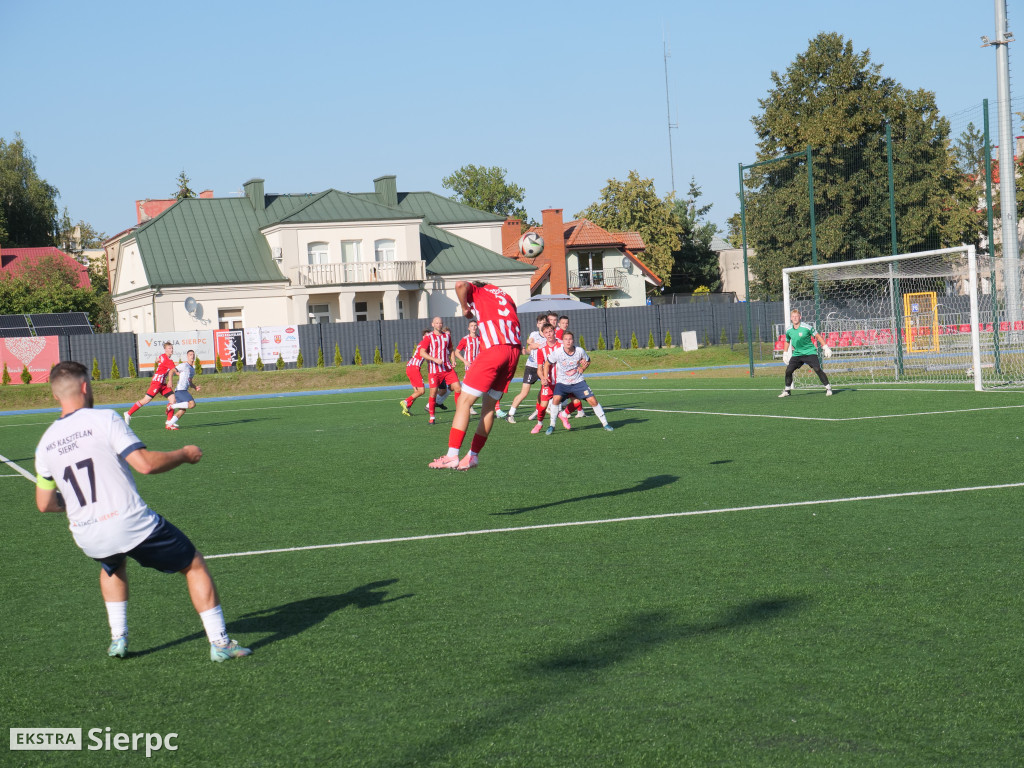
x: 114, y: 99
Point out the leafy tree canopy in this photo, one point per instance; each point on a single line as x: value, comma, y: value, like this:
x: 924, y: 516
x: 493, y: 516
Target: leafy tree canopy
x: 694, y: 263
x: 50, y: 284
x: 28, y: 204
x: 487, y: 190
x: 838, y: 102
x: 634, y: 206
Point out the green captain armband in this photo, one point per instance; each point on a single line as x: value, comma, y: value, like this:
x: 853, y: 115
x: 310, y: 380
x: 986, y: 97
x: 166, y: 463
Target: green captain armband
x: 45, y: 484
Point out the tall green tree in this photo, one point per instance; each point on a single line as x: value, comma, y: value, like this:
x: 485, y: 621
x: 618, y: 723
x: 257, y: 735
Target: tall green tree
x: 837, y: 101
x: 486, y: 189
x: 28, y: 204
x: 633, y: 205
x: 73, y: 237
x: 184, y: 190
x: 694, y: 264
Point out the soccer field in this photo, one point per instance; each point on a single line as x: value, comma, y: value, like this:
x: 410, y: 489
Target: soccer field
x: 728, y: 578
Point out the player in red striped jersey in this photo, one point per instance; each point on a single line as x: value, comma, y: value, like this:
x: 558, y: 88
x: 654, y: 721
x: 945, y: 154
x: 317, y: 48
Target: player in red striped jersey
x: 414, y: 371
x: 492, y: 370
x: 469, y: 346
x: 467, y: 350
x: 158, y: 384
x: 438, y: 354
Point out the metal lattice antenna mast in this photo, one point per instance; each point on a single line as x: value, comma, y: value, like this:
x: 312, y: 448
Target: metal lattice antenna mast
x: 668, y: 109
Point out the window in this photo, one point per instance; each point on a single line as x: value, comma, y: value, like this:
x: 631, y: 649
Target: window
x: 316, y: 253
x: 319, y: 313
x: 384, y: 250
x: 229, y: 318
x: 591, y: 269
x: 360, y: 311
x: 349, y: 251
x: 401, y: 310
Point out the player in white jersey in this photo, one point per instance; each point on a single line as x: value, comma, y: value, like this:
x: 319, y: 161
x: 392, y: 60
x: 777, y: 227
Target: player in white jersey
x: 83, y: 468
x: 570, y: 363
x: 183, y: 399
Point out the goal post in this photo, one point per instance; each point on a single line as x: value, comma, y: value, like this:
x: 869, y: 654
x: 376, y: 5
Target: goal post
x: 917, y: 317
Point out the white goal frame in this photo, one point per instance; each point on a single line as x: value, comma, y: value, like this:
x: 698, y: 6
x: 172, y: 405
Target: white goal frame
x: 889, y: 267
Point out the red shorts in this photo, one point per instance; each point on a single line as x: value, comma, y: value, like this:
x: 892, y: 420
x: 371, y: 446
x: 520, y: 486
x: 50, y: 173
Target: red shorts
x: 159, y: 388
x: 415, y: 375
x: 546, y: 393
x: 449, y: 377
x: 493, y: 369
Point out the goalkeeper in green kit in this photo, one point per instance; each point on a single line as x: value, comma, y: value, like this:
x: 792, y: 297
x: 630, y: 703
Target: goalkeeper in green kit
x: 800, y: 351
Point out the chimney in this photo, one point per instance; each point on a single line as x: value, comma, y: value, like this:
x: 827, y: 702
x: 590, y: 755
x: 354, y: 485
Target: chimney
x: 510, y: 231
x: 206, y: 194
x: 254, y: 191
x: 553, y: 232
x: 386, y: 188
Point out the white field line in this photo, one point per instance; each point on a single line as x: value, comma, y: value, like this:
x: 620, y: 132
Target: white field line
x: 24, y: 473
x: 662, y: 516
x: 823, y: 418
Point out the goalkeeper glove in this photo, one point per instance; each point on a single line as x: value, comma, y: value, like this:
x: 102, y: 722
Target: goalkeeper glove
x: 826, y: 350
x: 787, y: 355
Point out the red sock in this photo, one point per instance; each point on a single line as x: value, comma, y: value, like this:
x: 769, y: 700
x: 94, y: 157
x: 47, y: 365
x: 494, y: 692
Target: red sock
x: 431, y: 402
x: 455, y: 437
x: 457, y: 397
x: 541, y: 409
x: 133, y: 409
x: 478, y: 442
x: 570, y: 409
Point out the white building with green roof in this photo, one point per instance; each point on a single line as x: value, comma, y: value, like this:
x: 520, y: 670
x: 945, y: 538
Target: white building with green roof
x: 268, y: 259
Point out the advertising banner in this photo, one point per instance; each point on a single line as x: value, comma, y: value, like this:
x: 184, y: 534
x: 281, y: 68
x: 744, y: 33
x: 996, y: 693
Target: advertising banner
x: 252, y: 345
x: 39, y: 353
x: 151, y: 346
x: 279, y: 341
x: 229, y: 345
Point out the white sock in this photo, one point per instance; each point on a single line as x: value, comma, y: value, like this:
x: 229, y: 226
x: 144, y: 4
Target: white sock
x: 599, y: 412
x: 117, y: 616
x: 554, y: 412
x: 174, y: 419
x: 441, y: 398
x: 453, y: 452
x: 512, y: 411
x: 213, y: 623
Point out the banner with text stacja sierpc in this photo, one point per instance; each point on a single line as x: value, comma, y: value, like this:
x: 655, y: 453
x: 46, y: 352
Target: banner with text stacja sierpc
x: 151, y: 346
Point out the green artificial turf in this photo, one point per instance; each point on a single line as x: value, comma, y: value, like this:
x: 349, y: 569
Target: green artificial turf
x: 758, y: 631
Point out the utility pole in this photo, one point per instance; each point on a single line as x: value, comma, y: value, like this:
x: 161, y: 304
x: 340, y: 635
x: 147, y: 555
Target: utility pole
x: 1007, y: 182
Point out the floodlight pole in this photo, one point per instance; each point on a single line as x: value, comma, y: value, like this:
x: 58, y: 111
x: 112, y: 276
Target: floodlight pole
x: 1007, y: 183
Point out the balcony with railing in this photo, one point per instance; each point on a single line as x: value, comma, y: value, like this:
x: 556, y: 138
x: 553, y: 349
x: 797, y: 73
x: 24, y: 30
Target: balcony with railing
x: 598, y: 280
x: 363, y: 272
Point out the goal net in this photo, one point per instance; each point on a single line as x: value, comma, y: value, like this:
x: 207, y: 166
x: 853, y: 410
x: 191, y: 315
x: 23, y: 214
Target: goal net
x: 930, y: 317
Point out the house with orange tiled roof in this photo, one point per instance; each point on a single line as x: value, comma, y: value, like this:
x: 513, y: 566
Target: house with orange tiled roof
x: 585, y: 261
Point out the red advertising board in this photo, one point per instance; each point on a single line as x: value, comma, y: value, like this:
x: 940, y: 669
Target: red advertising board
x: 39, y: 353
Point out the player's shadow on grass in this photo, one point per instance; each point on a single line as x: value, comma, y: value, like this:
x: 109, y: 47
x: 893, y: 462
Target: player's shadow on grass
x: 657, y: 481
x: 230, y: 423
x: 290, y: 619
x: 540, y: 684
x: 293, y: 618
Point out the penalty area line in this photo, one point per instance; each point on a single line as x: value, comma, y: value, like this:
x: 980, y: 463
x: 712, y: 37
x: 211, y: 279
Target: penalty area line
x: 662, y: 516
x: 24, y: 473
